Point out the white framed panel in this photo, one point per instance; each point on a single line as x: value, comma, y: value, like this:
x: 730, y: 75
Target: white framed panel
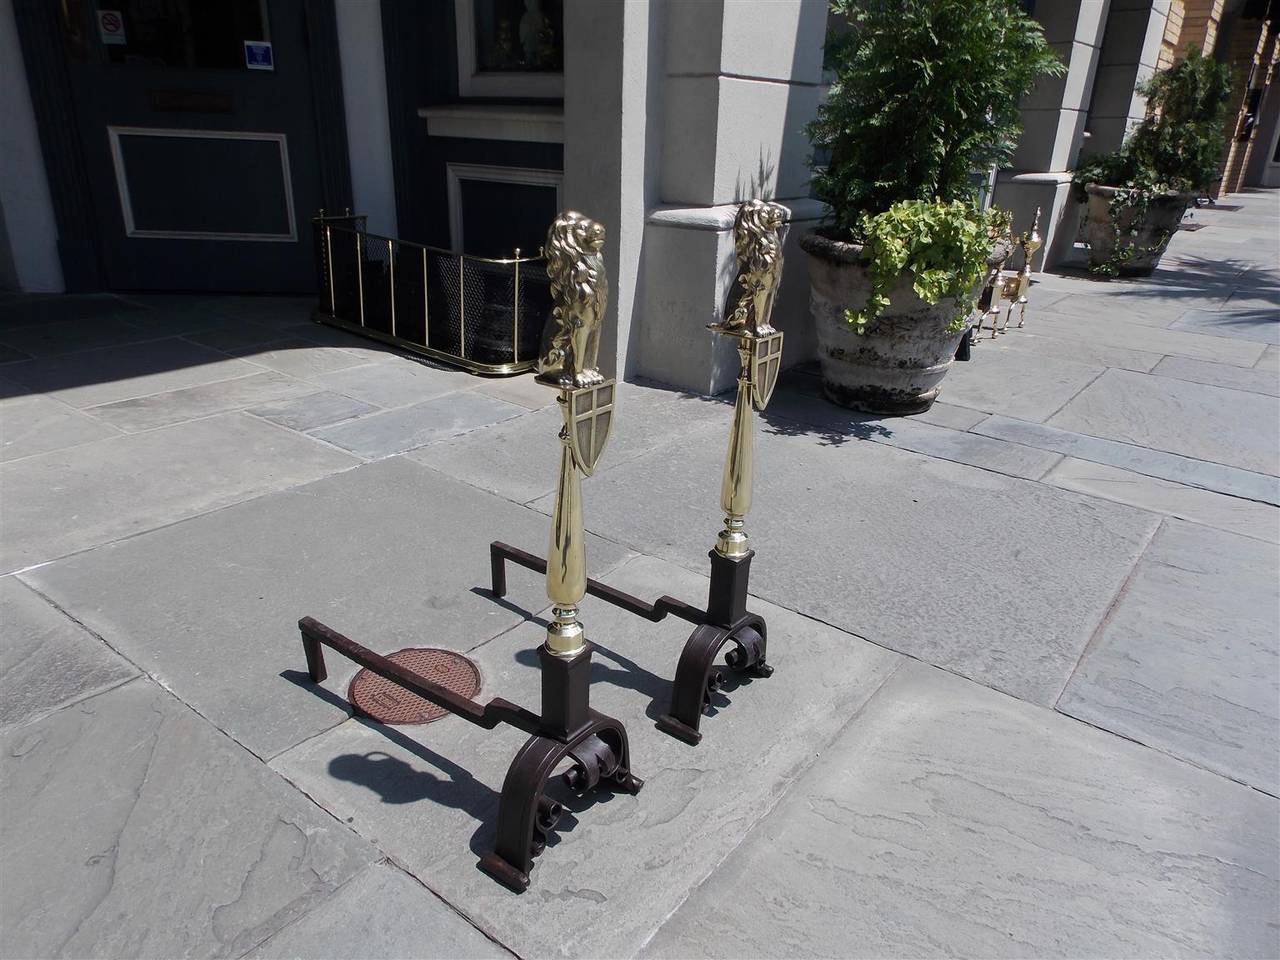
x: 457, y: 172
x: 126, y: 204
x: 475, y: 83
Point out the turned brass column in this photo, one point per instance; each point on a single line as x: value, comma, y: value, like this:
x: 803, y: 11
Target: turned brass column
x: 758, y: 244
x: 580, y: 294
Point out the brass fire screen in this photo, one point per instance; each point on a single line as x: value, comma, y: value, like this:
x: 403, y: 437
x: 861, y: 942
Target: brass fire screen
x: 482, y: 314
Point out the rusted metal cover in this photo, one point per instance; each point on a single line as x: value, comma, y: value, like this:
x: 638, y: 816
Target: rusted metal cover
x: 387, y: 702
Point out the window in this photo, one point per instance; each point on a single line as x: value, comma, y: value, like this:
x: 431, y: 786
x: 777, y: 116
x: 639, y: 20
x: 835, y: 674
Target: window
x: 510, y: 48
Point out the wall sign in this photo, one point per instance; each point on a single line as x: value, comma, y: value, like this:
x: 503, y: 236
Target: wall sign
x: 111, y: 27
x: 258, y: 55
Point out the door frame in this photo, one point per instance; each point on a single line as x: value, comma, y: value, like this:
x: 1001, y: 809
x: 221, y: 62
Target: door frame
x: 79, y: 238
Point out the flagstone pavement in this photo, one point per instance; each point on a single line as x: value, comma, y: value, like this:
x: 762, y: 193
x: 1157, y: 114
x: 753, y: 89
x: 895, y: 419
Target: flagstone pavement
x: 1027, y: 645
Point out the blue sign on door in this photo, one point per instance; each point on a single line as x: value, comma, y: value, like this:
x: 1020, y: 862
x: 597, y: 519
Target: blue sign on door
x: 258, y: 55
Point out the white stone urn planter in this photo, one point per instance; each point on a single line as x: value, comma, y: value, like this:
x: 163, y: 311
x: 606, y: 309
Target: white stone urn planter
x: 1158, y: 225
x: 895, y: 366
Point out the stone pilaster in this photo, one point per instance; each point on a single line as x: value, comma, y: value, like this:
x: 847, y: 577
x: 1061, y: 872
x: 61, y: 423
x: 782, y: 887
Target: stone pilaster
x: 1053, y: 119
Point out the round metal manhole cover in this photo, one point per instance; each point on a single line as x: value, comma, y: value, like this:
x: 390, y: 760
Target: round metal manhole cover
x: 387, y: 702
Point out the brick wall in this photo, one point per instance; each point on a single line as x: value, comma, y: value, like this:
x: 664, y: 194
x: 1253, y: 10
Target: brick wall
x: 1251, y: 55
x: 1200, y: 21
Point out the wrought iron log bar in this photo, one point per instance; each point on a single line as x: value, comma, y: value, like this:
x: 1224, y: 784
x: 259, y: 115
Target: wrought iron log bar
x: 316, y: 636
x: 500, y: 553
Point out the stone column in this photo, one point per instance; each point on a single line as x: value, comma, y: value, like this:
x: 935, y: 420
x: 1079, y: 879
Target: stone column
x: 612, y: 105
x: 740, y: 81
x: 1053, y: 120
x: 1130, y: 54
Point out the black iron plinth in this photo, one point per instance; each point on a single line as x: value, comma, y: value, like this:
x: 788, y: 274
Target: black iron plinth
x: 566, y: 729
x: 725, y: 621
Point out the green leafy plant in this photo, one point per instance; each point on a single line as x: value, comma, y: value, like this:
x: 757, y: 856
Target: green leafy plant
x: 944, y: 245
x: 925, y: 95
x: 1175, y: 149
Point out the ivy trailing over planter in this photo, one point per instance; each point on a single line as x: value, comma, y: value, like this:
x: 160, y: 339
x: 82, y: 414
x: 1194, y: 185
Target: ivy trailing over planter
x: 945, y: 246
x: 1174, y: 150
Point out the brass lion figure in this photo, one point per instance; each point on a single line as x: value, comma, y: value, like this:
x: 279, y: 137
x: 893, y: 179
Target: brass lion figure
x: 579, y: 295
x: 758, y: 244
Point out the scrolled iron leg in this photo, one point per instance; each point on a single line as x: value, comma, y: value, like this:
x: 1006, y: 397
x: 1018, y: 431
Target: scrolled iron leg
x: 697, y: 676
x: 601, y: 757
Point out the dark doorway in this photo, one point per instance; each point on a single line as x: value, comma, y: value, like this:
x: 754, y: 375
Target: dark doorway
x: 202, y: 130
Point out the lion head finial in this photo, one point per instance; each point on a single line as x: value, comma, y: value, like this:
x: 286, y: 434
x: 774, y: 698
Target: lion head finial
x: 757, y: 241
x: 579, y: 295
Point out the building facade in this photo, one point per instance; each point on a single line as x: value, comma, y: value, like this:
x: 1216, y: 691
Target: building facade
x: 179, y: 145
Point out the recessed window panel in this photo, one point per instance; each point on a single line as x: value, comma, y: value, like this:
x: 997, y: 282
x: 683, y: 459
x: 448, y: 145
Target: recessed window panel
x: 525, y: 36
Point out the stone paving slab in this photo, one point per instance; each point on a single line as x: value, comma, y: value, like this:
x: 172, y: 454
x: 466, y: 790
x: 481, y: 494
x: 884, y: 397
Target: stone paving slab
x: 998, y: 579
x: 389, y: 553
x: 242, y: 338
x: 1189, y: 661
x: 1231, y: 427
x: 796, y: 410
x: 1239, y: 320
x: 523, y: 390
x: 143, y: 832
x: 945, y: 415
x: 74, y: 336
x: 134, y: 370
x: 406, y: 428
x: 92, y: 494
x: 38, y: 424
x: 427, y: 795
x: 1153, y: 463
x: 1198, y: 346
x: 1021, y: 385
x: 300, y: 358
x: 397, y: 384
x: 1246, y: 517
x: 382, y: 914
x: 518, y: 458
x: 46, y: 659
x: 191, y: 403
x: 948, y: 820
x: 1032, y: 339
x: 314, y: 410
x: 1144, y: 307
x: 1270, y: 360
x: 1257, y: 380
x: 44, y: 309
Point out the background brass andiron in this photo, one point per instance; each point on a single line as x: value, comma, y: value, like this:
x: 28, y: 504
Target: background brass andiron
x: 1009, y: 286
x: 567, y: 727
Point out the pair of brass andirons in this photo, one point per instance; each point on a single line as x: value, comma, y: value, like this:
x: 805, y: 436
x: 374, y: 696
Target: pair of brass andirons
x: 567, y: 728
x: 1007, y: 285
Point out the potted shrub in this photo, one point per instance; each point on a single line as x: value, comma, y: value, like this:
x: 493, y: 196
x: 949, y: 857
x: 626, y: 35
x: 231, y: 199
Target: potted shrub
x: 925, y: 98
x: 1136, y: 197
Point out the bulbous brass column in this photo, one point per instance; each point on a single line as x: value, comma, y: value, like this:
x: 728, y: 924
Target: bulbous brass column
x: 758, y: 244
x: 580, y: 294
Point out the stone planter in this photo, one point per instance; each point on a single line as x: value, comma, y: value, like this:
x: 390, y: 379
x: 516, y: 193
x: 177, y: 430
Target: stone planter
x: 1160, y: 223
x: 895, y: 366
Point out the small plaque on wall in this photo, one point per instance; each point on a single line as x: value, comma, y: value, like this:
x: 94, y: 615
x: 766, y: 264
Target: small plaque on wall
x: 258, y: 55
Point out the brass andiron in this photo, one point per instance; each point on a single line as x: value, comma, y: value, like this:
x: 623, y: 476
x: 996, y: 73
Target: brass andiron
x: 758, y: 240
x: 758, y: 244
x: 1009, y: 287
x: 567, y: 728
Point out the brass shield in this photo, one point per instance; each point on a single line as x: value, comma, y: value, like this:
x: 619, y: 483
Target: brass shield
x: 588, y: 417
x: 766, y: 363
